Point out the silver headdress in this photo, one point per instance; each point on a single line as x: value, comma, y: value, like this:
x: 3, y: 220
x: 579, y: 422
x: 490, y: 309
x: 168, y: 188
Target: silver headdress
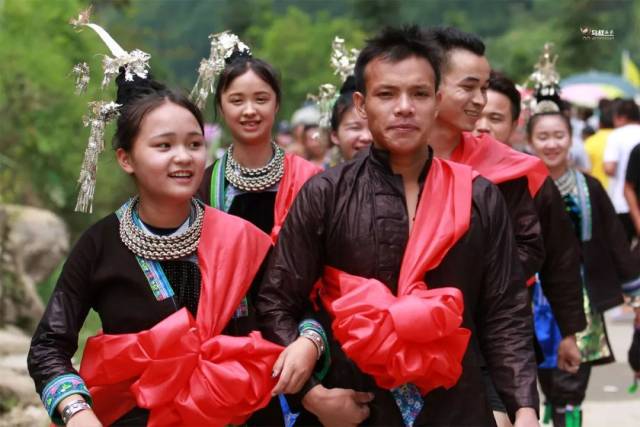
x: 343, y: 62
x: 546, y: 81
x: 223, y: 45
x: 136, y: 63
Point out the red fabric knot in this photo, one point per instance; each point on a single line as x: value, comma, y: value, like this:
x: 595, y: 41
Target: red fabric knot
x: 414, y: 337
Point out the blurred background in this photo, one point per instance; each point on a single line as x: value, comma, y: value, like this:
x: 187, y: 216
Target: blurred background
x: 42, y: 137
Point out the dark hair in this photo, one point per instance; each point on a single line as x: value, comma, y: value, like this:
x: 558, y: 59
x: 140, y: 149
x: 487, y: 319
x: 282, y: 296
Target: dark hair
x: 500, y: 83
x: 450, y: 38
x: 628, y: 109
x: 240, y: 64
x: 344, y: 102
x: 138, y: 98
x: 605, y: 106
x: 396, y: 44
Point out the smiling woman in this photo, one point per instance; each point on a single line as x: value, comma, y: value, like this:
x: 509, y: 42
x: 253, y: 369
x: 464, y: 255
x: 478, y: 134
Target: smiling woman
x: 157, y: 272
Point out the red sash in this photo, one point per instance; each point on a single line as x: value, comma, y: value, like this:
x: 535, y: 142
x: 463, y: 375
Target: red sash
x: 182, y: 369
x: 416, y: 336
x: 296, y: 172
x: 498, y: 162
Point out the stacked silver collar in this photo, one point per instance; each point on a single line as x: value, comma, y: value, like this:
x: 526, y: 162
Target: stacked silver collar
x: 566, y: 183
x: 259, y: 179
x: 160, y: 248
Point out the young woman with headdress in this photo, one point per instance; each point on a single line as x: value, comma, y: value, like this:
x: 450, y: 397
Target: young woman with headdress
x: 257, y: 181
x: 606, y: 261
x: 165, y: 274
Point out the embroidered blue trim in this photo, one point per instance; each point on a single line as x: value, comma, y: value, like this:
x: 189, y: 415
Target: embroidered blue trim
x: 242, y: 310
x: 60, y: 387
x: 584, y: 201
x: 152, y: 269
x: 409, y: 401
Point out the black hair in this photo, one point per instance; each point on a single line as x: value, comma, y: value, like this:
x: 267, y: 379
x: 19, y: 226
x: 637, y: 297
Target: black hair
x: 396, y: 44
x: 605, y: 106
x: 450, y: 38
x: 139, y: 97
x: 500, y: 83
x: 344, y: 102
x: 628, y: 109
x: 238, y: 64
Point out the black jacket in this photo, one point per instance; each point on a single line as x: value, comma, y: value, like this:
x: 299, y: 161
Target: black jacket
x: 560, y: 273
x: 607, y: 260
x: 353, y: 217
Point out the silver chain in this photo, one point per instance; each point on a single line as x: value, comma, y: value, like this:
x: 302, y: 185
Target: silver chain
x: 258, y: 179
x: 160, y: 248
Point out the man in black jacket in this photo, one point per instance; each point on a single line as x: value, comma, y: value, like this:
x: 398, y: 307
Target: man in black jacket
x: 359, y: 218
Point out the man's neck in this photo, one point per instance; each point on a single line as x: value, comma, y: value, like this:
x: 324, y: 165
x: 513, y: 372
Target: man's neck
x: 409, y: 166
x: 444, y: 139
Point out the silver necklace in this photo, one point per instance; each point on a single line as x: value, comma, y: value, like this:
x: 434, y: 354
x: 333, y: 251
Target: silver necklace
x: 160, y: 248
x: 566, y: 183
x: 258, y: 179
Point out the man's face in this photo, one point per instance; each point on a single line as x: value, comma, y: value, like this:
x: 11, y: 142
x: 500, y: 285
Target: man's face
x: 464, y: 89
x: 495, y: 118
x: 400, y: 103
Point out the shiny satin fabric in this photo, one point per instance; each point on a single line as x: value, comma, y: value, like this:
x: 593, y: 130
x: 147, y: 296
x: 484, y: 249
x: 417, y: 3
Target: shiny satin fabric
x: 415, y: 336
x: 498, y: 162
x: 182, y: 369
x: 296, y: 172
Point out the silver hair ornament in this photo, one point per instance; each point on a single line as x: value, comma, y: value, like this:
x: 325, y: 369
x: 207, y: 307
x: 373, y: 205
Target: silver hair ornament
x: 222, y: 47
x: 327, y: 95
x: 100, y: 113
x: 343, y: 61
x: 81, y: 72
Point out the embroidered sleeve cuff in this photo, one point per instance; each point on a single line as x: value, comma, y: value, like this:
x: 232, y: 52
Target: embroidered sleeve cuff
x: 60, y: 387
x: 632, y: 287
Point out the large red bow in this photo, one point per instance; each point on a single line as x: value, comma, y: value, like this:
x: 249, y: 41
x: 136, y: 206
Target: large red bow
x: 416, y: 336
x: 182, y: 369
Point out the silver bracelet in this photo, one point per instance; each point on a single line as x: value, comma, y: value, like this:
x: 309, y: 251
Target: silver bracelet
x: 316, y: 339
x: 73, y: 408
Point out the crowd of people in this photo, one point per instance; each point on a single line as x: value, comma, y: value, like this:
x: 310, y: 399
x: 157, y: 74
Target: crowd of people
x: 420, y: 273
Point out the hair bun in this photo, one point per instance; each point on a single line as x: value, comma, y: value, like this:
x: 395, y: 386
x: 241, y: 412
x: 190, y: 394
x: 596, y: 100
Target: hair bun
x: 128, y: 90
x: 238, y: 54
x: 349, y: 85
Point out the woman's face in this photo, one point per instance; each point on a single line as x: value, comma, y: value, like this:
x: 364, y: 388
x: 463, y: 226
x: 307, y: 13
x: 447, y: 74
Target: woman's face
x: 352, y: 135
x: 551, y: 141
x: 249, y: 108
x: 168, y: 156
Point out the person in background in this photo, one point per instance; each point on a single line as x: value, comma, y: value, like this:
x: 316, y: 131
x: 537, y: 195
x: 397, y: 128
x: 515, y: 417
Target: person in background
x: 284, y: 136
x: 400, y: 225
x: 578, y: 117
x: 606, y: 260
x: 316, y: 146
x: 257, y: 181
x: 561, y: 264
x: 349, y: 132
x: 626, y: 135
x: 308, y: 115
x: 596, y: 143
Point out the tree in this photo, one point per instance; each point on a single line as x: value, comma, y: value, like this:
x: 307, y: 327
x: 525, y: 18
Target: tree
x: 299, y: 46
x: 42, y: 137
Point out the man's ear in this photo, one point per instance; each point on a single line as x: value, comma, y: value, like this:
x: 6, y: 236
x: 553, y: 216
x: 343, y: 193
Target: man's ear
x: 358, y: 103
x: 124, y: 160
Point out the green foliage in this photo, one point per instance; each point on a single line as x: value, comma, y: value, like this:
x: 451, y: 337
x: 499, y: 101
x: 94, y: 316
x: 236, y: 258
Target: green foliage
x: 42, y: 138
x: 41, y: 131
x: 299, y: 46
